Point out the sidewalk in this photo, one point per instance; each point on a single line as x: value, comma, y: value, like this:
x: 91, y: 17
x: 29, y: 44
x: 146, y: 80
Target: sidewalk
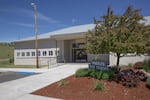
x: 40, y: 70
x: 20, y: 89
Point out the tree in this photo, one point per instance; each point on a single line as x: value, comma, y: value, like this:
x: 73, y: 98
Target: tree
x: 119, y: 34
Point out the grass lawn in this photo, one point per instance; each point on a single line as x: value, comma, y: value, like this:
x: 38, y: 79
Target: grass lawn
x: 6, y: 51
x: 6, y: 64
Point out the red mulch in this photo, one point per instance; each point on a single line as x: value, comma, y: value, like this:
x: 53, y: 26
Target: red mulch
x: 82, y: 88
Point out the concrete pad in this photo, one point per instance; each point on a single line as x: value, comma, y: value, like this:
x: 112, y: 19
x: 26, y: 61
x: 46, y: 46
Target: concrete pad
x: 36, y: 97
x: 9, y: 94
x: 15, y: 89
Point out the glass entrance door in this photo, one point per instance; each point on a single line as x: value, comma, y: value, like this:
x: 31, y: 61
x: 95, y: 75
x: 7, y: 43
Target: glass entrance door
x: 80, y: 55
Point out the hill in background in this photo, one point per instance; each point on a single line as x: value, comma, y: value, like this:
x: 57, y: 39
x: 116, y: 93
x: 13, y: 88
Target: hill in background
x: 6, y: 50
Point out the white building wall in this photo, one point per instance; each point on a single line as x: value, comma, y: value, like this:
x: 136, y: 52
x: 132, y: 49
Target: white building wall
x: 111, y: 59
x: 23, y: 60
x: 67, y: 51
x: 46, y: 45
x: 31, y: 60
x: 125, y: 60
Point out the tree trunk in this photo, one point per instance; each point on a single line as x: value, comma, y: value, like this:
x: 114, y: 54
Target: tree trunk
x: 118, y: 60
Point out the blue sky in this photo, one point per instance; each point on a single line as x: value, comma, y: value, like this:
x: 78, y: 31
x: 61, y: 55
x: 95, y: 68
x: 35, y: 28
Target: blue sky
x: 17, y: 21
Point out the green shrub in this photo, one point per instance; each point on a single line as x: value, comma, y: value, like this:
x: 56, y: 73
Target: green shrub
x: 148, y: 82
x: 82, y: 72
x: 93, y: 73
x: 99, y: 75
x: 114, y: 69
x: 129, y: 65
x: 146, y: 65
x: 11, y: 60
x: 61, y: 82
x: 99, y: 86
x: 105, y: 75
x: 111, y: 74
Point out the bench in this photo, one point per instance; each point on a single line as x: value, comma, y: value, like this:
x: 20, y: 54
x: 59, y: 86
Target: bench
x: 98, y: 65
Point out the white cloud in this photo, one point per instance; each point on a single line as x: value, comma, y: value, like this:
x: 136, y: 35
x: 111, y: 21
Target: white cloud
x: 40, y: 16
x: 30, y: 13
x: 73, y: 20
x: 29, y: 25
x: 25, y: 24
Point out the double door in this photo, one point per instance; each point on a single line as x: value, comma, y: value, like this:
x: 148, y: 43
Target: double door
x: 79, y: 55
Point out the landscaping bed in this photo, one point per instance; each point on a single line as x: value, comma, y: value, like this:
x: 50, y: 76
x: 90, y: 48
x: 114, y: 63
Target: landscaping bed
x: 82, y: 88
x: 130, y: 83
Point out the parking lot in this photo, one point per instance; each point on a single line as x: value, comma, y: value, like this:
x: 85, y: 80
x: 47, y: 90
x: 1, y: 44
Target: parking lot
x: 9, y: 75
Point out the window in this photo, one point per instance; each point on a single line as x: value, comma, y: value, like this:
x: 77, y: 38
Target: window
x: 33, y: 53
x: 27, y: 53
x: 18, y: 53
x: 39, y: 53
x: 44, y: 53
x: 50, y: 53
x: 23, y: 53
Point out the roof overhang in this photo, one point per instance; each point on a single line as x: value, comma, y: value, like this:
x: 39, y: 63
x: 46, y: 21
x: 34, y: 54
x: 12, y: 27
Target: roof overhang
x: 69, y: 36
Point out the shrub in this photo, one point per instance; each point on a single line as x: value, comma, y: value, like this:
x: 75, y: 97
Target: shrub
x: 94, y: 73
x: 111, y: 74
x: 61, y: 82
x: 129, y: 65
x: 148, y: 82
x: 146, y: 65
x: 114, y: 69
x: 11, y: 60
x: 105, y: 75
x: 99, y: 86
x: 82, y: 72
x: 138, y: 65
x: 98, y: 74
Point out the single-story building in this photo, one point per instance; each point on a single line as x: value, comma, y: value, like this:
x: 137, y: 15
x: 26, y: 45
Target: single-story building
x: 64, y: 46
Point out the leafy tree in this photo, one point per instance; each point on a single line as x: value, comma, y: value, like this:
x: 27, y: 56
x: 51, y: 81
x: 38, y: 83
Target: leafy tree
x: 119, y: 34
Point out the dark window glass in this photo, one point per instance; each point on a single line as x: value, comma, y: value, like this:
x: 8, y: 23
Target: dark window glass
x: 45, y: 53
x: 39, y: 53
x: 51, y: 52
x: 27, y: 53
x: 33, y: 53
x: 23, y: 53
x: 18, y: 53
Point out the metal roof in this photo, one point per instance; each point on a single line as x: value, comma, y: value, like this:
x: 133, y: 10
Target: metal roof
x: 72, y: 30
x: 146, y: 20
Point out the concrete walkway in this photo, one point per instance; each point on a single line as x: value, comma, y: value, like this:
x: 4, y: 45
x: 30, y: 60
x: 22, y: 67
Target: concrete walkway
x: 20, y: 89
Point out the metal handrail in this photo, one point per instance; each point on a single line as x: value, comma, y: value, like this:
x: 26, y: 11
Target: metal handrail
x: 55, y: 61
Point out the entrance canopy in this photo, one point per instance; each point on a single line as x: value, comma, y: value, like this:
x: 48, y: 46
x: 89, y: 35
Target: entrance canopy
x: 69, y: 36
